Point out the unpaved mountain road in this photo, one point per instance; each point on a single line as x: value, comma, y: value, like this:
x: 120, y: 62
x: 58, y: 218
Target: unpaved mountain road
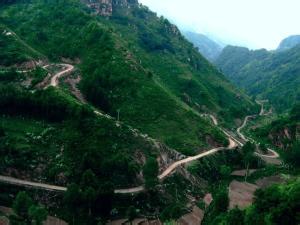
x: 242, y: 127
x: 167, y: 172
x: 172, y: 167
x: 274, y: 155
x: 67, y: 69
x: 24, y: 183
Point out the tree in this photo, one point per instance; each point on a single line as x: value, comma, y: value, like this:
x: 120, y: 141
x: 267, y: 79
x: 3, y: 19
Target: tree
x: 263, y: 148
x: 131, y: 213
x: 221, y: 202
x: 225, y: 171
x: 90, y: 196
x: 150, y: 172
x: 72, y: 199
x: 26, y: 212
x: 21, y: 206
x: 89, y: 179
x: 2, y: 132
x: 248, y: 155
x: 235, y: 216
x: 105, y: 196
x: 292, y: 155
x: 38, y: 214
x: 173, y: 211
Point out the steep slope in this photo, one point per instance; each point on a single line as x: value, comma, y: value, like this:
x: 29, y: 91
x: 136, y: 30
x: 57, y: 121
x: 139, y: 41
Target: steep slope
x: 207, y: 47
x: 158, y: 85
x: 271, y: 75
x: 289, y: 43
x: 13, y: 50
x: 283, y: 132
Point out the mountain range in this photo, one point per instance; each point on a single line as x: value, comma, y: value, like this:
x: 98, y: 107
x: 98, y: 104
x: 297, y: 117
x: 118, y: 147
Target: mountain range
x: 108, y: 112
x: 273, y: 75
x: 206, y: 46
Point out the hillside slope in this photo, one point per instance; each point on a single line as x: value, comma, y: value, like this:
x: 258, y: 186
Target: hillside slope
x: 207, y: 47
x: 271, y: 75
x: 289, y: 43
x: 135, y: 64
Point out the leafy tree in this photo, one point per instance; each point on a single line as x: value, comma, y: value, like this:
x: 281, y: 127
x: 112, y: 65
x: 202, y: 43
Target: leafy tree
x: 72, y: 199
x: 90, y: 196
x: 225, y: 171
x: 248, y: 155
x: 2, y: 132
x: 26, y: 212
x: 292, y: 155
x: 295, y: 113
x: 38, y: 214
x: 21, y: 206
x: 263, y: 148
x: 173, y: 211
x: 235, y: 217
x: 89, y: 179
x: 221, y: 202
x: 131, y: 213
x: 150, y: 172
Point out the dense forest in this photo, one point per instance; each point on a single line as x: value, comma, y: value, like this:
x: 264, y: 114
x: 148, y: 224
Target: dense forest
x: 264, y: 74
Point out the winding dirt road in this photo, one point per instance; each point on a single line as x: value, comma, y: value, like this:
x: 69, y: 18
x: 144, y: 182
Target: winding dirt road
x: 274, y: 155
x: 24, y: 183
x: 172, y: 167
x: 233, y: 143
x: 55, y: 79
x: 243, y: 137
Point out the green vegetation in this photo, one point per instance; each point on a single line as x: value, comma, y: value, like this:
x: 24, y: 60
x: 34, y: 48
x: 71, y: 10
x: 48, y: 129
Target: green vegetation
x: 123, y: 71
x: 134, y: 66
x: 150, y: 172
x: 217, y: 168
x: 282, y: 131
x: 218, y: 206
x: 268, y: 75
x: 276, y: 205
x: 26, y: 212
x: 13, y: 50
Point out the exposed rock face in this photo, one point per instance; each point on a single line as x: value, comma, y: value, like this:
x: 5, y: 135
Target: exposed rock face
x: 106, y: 7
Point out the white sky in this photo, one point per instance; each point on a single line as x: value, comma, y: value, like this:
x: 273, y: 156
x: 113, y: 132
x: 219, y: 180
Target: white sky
x: 251, y: 23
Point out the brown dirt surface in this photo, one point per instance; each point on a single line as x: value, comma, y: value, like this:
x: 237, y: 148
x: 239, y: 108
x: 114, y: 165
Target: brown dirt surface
x: 193, y: 218
x: 241, y: 173
x: 269, y: 181
x: 241, y: 194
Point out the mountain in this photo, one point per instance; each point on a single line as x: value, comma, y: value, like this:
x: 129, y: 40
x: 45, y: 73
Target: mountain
x: 283, y: 132
x: 100, y: 97
x: 271, y: 75
x: 289, y: 43
x: 134, y: 58
x: 207, y: 47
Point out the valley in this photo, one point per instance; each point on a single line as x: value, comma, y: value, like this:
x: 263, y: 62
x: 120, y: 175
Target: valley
x: 109, y: 115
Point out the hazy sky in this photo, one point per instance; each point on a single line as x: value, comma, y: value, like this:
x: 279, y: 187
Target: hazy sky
x: 252, y: 23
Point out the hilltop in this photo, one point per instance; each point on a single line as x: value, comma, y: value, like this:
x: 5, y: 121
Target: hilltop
x: 265, y: 74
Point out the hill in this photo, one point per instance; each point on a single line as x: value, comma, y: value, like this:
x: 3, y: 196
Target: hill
x: 134, y: 58
x: 289, y: 43
x: 114, y: 97
x: 269, y: 75
x: 207, y: 47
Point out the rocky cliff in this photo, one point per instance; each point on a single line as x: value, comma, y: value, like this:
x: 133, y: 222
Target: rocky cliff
x: 106, y: 7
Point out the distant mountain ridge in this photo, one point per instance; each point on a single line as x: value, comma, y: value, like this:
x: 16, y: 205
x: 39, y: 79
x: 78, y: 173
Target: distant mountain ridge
x: 274, y: 75
x: 207, y: 47
x: 289, y: 43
